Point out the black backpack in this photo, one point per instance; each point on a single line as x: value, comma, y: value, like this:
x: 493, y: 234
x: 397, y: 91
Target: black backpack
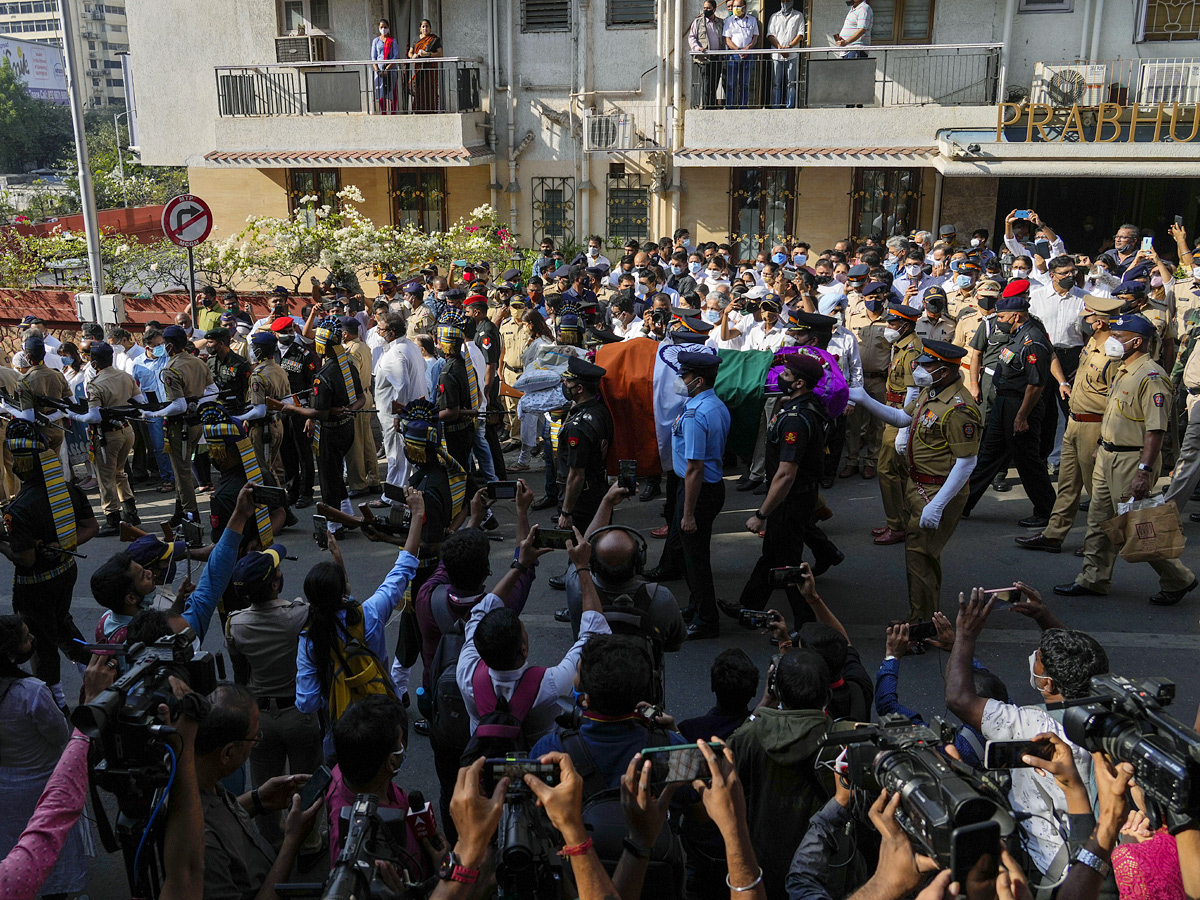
x: 630, y: 617
x: 449, y: 723
x: 606, y: 824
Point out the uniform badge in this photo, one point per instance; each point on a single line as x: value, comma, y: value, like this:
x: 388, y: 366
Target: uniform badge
x: 214, y: 521
x: 1032, y: 357
x: 573, y: 441
x: 1159, y: 399
x: 441, y: 389
x: 969, y: 430
x: 316, y: 387
x: 790, y: 437
x: 487, y: 343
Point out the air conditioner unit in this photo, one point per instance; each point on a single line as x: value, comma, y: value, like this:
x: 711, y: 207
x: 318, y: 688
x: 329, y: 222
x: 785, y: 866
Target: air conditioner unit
x: 1068, y: 85
x: 303, y: 48
x: 1169, y: 81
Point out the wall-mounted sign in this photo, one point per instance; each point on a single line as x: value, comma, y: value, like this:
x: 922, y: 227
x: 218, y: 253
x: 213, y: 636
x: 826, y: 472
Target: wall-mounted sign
x: 1103, y: 124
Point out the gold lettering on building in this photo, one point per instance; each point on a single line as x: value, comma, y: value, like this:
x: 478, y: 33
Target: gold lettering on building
x: 1123, y: 122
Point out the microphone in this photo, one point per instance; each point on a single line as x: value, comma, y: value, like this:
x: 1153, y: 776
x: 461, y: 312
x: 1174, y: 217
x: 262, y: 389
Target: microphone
x: 420, y: 816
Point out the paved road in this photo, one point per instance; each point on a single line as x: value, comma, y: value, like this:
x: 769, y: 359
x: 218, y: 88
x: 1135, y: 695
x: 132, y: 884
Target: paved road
x: 865, y: 591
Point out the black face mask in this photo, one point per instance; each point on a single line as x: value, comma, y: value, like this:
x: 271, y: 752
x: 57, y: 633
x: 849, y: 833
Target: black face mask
x: 986, y: 303
x: 1087, y: 328
x: 1005, y: 327
x: 1065, y: 281
x: 709, y: 13
x: 824, y: 279
x: 935, y: 307
x: 469, y: 329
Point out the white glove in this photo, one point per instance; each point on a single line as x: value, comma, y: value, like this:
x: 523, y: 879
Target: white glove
x: 858, y: 394
x: 931, y: 516
x: 902, y: 441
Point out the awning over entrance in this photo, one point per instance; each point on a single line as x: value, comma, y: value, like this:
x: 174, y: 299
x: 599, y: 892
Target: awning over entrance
x: 257, y: 159
x: 808, y: 156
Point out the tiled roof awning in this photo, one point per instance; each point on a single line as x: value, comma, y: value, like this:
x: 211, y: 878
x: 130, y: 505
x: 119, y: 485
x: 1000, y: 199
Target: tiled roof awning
x: 462, y: 156
x: 798, y: 156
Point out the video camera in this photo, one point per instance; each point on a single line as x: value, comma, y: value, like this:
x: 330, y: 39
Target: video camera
x: 528, y: 866
x: 124, y: 718
x: 940, y: 798
x: 1125, y: 721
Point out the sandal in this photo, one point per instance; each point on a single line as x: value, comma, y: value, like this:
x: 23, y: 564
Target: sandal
x: 166, y: 487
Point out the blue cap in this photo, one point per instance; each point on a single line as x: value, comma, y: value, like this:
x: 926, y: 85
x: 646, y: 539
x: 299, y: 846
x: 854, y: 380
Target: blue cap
x: 414, y: 287
x: 1130, y: 287
x: 255, y: 568
x: 174, y: 332
x: 147, y: 550
x: 1134, y: 324
x: 698, y: 359
x: 874, y: 286
x: 279, y: 290
x: 862, y: 270
x: 30, y: 320
x: 264, y: 338
x: 1141, y: 270
x: 456, y: 294
x: 102, y: 353
x: 1013, y: 303
x: 901, y: 311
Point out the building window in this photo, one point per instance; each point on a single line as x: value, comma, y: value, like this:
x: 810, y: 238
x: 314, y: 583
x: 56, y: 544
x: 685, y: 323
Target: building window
x: 763, y: 208
x: 1035, y: 6
x: 902, y: 21
x: 631, y: 12
x: 323, y: 184
x: 1169, y: 20
x: 884, y: 202
x: 628, y: 209
x: 545, y: 15
x: 419, y: 198
x: 311, y: 14
x: 554, y: 210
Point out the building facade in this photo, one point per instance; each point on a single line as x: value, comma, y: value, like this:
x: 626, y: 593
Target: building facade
x: 580, y: 117
x: 101, y: 34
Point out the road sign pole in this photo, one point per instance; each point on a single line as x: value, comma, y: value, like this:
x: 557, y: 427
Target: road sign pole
x: 192, y: 285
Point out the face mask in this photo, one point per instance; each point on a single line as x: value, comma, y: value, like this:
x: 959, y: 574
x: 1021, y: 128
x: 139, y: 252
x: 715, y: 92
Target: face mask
x: 824, y: 278
x: 985, y: 303
x: 687, y: 243
x: 1020, y: 273
x: 640, y: 289
x: 593, y: 252
x: 1114, y: 349
x: 681, y: 387
x: 285, y: 339
x: 708, y: 13
x: 383, y: 30
x: 1005, y: 327
x: 1087, y: 328
x: 1065, y: 281
x: 891, y: 335
x: 739, y: 11
x: 975, y: 242
x: 962, y: 282
x: 151, y: 352
x: 912, y: 270
x: 675, y: 270
x: 695, y: 267
x: 800, y: 259
x: 243, y: 330
x: 921, y: 378
x: 935, y: 306
x: 874, y: 306
x: 1156, y: 281
x: 1033, y: 676
x: 759, y: 266
x: 711, y: 315
x: 840, y: 277
x: 779, y: 258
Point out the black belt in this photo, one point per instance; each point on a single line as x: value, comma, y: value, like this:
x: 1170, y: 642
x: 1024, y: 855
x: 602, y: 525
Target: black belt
x: 881, y: 374
x: 514, y: 368
x: 267, y: 703
x: 1119, y: 448
x: 1193, y: 391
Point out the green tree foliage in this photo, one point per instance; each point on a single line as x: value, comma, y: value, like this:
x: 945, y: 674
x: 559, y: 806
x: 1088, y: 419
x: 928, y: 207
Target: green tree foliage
x: 33, y: 133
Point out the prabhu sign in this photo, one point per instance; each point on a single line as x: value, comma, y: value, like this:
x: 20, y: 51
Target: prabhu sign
x: 1089, y: 124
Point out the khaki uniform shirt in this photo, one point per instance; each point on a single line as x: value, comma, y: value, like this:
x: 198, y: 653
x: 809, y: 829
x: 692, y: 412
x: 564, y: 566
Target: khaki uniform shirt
x: 10, y: 381
x: 946, y: 427
x: 268, y: 379
x: 1187, y: 298
x: 873, y: 348
x: 185, y: 376
x: 360, y: 355
x: 900, y: 374
x: 1089, y: 393
x: 966, y: 326
x: 515, y: 339
x: 111, y: 387
x: 957, y: 300
x: 941, y: 329
x: 420, y: 321
x: 1139, y: 400
x: 43, y: 382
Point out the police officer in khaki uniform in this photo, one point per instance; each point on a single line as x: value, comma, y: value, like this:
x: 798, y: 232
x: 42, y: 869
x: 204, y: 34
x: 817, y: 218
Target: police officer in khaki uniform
x: 362, y: 465
x: 185, y: 380
x: 10, y: 486
x: 111, y: 437
x: 962, y: 285
x: 1089, y: 396
x: 935, y: 324
x: 901, y: 389
x: 863, y: 431
x: 982, y: 302
x: 943, y: 427
x: 268, y: 380
x: 1128, y: 460
x: 42, y: 381
x: 514, y: 339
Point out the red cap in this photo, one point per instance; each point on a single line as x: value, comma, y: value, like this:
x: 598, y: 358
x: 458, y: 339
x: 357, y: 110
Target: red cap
x: 1016, y: 288
x: 282, y: 322
x: 474, y: 299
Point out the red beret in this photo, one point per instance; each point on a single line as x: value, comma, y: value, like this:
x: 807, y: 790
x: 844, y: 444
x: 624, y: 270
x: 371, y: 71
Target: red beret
x: 282, y: 322
x: 475, y: 299
x: 1016, y: 287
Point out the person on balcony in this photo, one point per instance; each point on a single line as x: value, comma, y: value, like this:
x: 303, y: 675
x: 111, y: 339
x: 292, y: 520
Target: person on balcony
x: 741, y: 33
x: 386, y: 76
x: 423, y: 82
x: 785, y: 31
x: 856, y: 30
x: 704, y: 35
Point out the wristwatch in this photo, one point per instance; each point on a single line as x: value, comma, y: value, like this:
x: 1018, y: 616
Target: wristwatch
x: 1092, y: 861
x: 1142, y: 467
x: 453, y: 870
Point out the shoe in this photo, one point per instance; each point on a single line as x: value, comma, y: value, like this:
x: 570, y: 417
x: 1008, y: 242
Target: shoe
x: 822, y: 567
x: 545, y: 502
x: 657, y: 574
x: 129, y: 513
x: 687, y: 613
x: 733, y: 610
x: 761, y: 489
x: 1075, y: 589
x: 1000, y: 486
x: 112, y: 525
x: 827, y: 481
x: 876, y: 532
x: 890, y: 537
x: 868, y: 473
x: 510, y: 445
x: 204, y: 489
x: 847, y: 471
x: 822, y: 514
x: 558, y: 582
x: 562, y: 615
x: 88, y: 484
x: 421, y: 727
x: 700, y: 631
x: 303, y: 502
x: 1085, y: 504
x: 1034, y: 522
x: 518, y: 466
x: 965, y: 514
x: 355, y: 494
x: 650, y: 491
x: 490, y: 522
x: 1079, y: 552
x: 749, y: 484
x: 1195, y: 517
x: 661, y: 533
x: 165, y: 487
x: 1037, y: 542
x: 290, y: 520
x: 1170, y: 598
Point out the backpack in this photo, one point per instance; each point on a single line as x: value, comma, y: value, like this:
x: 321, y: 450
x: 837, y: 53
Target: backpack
x: 606, y: 824
x: 357, y: 671
x: 449, y: 722
x: 501, y: 728
x: 630, y: 617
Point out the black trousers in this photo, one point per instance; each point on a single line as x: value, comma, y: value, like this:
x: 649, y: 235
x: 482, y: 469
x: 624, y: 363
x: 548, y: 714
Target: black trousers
x: 297, y: 455
x: 837, y: 440
x: 47, y: 611
x: 697, y: 560
x: 1001, y: 446
x: 671, y: 560
x: 336, y: 441
x: 788, y: 529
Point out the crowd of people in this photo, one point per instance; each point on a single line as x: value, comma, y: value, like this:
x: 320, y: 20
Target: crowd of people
x: 924, y: 363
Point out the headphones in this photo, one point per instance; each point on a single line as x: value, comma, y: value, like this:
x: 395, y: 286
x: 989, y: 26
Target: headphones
x: 639, y: 562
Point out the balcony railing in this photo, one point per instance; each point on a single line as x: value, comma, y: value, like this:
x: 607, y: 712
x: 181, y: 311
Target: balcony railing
x: 1124, y: 81
x: 397, y: 87
x: 815, y: 77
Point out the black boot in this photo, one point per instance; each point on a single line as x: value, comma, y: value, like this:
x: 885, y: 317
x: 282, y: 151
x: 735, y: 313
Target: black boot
x: 129, y: 513
x: 112, y: 525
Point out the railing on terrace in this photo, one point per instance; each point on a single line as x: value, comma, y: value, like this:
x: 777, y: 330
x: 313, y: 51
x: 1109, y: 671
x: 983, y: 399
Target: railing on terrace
x: 394, y: 87
x: 817, y: 77
x: 1124, y: 81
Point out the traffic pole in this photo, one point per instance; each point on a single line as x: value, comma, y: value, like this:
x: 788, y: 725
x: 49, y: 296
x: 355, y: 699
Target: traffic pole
x: 192, y: 285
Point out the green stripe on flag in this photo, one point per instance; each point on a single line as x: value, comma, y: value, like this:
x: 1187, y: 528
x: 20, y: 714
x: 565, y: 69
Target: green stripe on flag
x: 740, y: 381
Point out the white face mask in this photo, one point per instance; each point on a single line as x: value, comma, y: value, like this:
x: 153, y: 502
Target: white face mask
x: 921, y: 378
x: 1114, y: 349
x: 912, y: 270
x: 243, y: 330
x: 759, y: 266
x: 975, y: 242
x: 593, y: 252
x: 1033, y: 676
x: 681, y: 387
x: 711, y: 315
x: 891, y: 335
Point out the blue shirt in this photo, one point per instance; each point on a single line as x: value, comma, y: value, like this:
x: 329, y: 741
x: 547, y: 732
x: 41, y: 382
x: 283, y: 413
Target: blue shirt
x: 611, y: 743
x: 203, y: 602
x: 887, y: 700
x: 699, y: 434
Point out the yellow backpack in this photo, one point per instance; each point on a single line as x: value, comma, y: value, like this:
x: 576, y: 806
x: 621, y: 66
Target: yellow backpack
x: 357, y: 671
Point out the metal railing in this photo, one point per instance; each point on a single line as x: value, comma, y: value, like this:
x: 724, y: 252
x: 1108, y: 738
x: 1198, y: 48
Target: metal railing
x: 394, y: 87
x: 816, y: 77
x: 1064, y: 83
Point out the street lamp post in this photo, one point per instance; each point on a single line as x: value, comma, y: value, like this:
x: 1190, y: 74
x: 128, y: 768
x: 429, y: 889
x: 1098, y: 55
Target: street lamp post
x: 121, y: 158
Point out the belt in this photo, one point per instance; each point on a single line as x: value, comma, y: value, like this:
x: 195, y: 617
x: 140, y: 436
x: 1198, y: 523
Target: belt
x: 121, y: 427
x: 1119, y: 448
x: 895, y: 397
x: 42, y: 577
x: 922, y: 478
x: 881, y: 374
x: 514, y: 368
x: 1193, y: 391
x: 1087, y: 417
x: 460, y: 425
x: 275, y: 702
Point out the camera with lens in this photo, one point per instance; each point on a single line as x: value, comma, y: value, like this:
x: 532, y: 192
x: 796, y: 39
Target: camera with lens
x: 528, y: 866
x: 1125, y: 720
x: 939, y: 796
x: 124, y: 719
x: 660, y: 316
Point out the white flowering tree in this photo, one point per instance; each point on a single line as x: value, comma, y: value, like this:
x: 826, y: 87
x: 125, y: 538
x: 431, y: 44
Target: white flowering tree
x: 125, y: 260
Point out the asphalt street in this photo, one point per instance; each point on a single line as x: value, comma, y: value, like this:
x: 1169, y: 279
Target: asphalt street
x: 865, y: 592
